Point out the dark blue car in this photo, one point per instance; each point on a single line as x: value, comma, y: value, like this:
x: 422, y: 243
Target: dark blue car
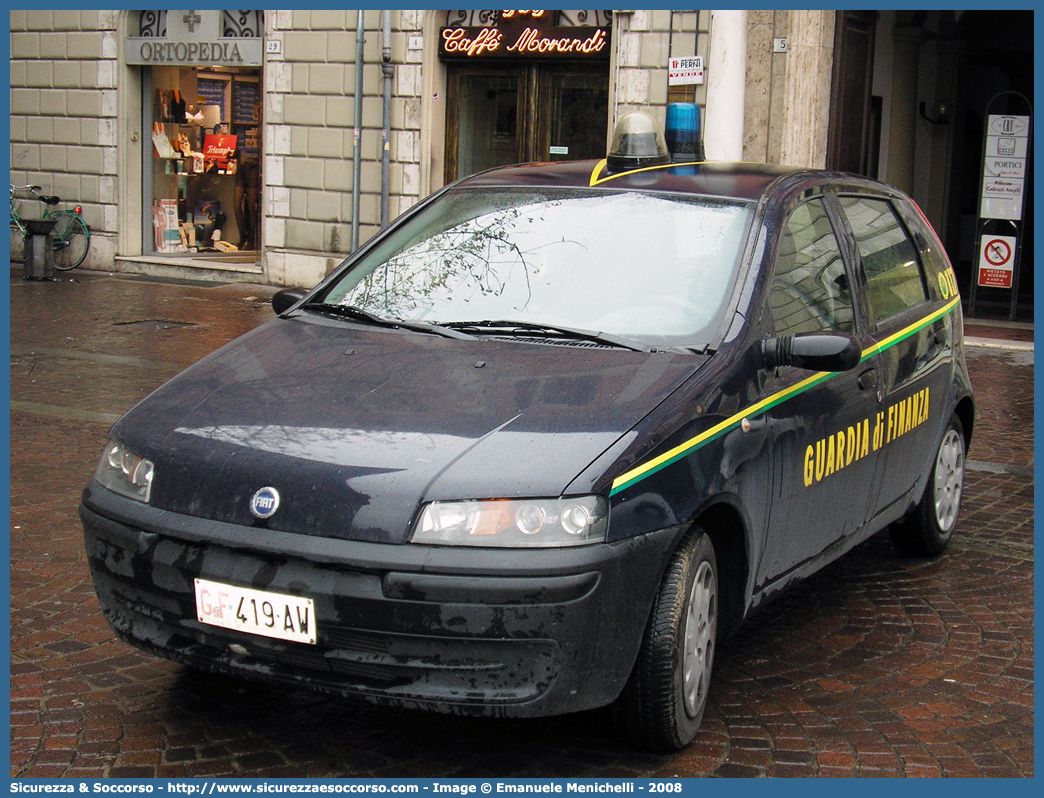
x: 545, y: 440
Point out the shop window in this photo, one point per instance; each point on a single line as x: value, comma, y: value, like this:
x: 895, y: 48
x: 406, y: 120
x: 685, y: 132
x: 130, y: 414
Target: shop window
x: 203, y: 155
x: 206, y: 160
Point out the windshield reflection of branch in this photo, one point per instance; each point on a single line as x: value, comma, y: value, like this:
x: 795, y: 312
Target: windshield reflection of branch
x: 442, y: 263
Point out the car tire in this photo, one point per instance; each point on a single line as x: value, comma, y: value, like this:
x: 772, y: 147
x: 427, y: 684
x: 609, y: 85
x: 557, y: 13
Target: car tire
x: 662, y: 704
x: 928, y: 528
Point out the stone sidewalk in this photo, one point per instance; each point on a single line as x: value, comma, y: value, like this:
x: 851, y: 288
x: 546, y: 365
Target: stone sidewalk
x: 880, y: 665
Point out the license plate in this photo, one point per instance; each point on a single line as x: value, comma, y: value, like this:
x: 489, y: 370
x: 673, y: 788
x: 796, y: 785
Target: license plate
x: 256, y: 612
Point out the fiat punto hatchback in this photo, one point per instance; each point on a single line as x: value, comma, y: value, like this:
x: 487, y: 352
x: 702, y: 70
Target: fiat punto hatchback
x: 540, y: 444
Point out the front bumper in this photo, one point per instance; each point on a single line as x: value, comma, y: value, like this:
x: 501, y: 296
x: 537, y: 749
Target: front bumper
x: 494, y: 632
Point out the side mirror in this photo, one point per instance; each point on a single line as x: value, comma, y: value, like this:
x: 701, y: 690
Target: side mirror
x: 818, y: 351
x: 283, y: 300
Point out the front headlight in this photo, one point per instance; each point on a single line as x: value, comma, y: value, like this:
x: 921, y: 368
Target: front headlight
x: 125, y: 473
x: 514, y: 523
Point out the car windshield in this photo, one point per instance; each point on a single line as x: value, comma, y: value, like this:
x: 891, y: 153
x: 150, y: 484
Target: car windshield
x: 656, y: 268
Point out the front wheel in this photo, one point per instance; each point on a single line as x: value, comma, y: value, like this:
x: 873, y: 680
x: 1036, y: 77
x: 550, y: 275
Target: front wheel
x: 71, y: 240
x: 928, y: 529
x: 661, y: 707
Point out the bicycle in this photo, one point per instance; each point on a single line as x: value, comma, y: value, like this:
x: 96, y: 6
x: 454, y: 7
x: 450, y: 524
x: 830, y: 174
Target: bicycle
x: 70, y: 236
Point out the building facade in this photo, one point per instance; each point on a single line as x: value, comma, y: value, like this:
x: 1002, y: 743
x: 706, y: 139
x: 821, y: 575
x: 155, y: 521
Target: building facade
x: 229, y: 144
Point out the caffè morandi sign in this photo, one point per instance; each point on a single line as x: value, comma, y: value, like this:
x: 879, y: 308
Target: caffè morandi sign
x: 521, y: 34
x: 194, y: 39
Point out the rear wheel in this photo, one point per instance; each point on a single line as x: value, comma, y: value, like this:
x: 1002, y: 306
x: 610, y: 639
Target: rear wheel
x: 661, y: 707
x: 928, y: 529
x: 71, y: 240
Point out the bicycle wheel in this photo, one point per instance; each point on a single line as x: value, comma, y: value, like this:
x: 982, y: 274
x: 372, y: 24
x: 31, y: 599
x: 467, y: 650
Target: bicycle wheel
x: 71, y: 240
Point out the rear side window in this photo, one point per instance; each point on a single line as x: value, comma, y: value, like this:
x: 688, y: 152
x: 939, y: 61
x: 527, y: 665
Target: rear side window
x: 894, y: 274
x: 810, y: 290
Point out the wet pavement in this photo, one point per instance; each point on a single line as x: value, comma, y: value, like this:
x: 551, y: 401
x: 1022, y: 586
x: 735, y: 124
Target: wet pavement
x: 880, y: 665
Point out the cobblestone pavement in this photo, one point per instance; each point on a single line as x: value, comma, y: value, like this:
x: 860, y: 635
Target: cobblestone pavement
x: 880, y: 665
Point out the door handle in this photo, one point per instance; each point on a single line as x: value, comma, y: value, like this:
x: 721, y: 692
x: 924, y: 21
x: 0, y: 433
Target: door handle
x: 868, y: 379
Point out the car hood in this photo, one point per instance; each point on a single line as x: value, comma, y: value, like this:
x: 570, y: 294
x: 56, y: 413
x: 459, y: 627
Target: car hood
x: 356, y: 426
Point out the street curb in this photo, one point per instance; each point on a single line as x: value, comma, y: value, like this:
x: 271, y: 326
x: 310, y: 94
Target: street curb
x: 994, y: 343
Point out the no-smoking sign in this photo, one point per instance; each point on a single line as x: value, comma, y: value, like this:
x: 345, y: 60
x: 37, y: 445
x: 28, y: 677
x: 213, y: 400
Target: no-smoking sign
x: 997, y: 261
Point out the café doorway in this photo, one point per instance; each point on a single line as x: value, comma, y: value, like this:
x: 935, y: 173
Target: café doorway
x: 526, y: 112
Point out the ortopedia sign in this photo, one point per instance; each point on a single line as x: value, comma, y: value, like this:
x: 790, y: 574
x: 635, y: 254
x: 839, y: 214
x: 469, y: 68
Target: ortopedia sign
x: 227, y: 52
x: 194, y: 38
x: 997, y: 261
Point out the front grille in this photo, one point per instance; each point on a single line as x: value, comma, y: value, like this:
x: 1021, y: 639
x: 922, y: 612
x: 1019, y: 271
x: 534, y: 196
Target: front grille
x: 354, y: 640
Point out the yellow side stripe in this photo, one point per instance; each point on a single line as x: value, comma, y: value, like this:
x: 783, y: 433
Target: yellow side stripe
x: 600, y: 167
x: 706, y: 435
x: 594, y: 172
x: 646, y: 469
x: 906, y: 332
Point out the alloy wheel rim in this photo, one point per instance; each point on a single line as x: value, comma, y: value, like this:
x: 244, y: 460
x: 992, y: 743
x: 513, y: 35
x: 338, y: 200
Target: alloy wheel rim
x: 701, y: 620
x: 949, y: 480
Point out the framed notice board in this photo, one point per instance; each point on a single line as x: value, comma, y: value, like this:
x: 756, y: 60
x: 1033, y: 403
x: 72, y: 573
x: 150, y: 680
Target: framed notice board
x: 213, y: 93
x: 246, y: 99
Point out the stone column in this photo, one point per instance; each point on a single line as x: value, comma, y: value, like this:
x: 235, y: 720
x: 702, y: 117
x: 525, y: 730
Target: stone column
x: 902, y: 130
x: 806, y: 89
x: 726, y: 82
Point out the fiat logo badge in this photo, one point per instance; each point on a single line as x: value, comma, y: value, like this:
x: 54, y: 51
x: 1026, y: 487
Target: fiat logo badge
x: 264, y: 503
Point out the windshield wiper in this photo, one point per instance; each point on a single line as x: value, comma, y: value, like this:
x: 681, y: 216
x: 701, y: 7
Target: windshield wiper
x: 358, y: 314
x: 347, y: 311
x: 507, y: 327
